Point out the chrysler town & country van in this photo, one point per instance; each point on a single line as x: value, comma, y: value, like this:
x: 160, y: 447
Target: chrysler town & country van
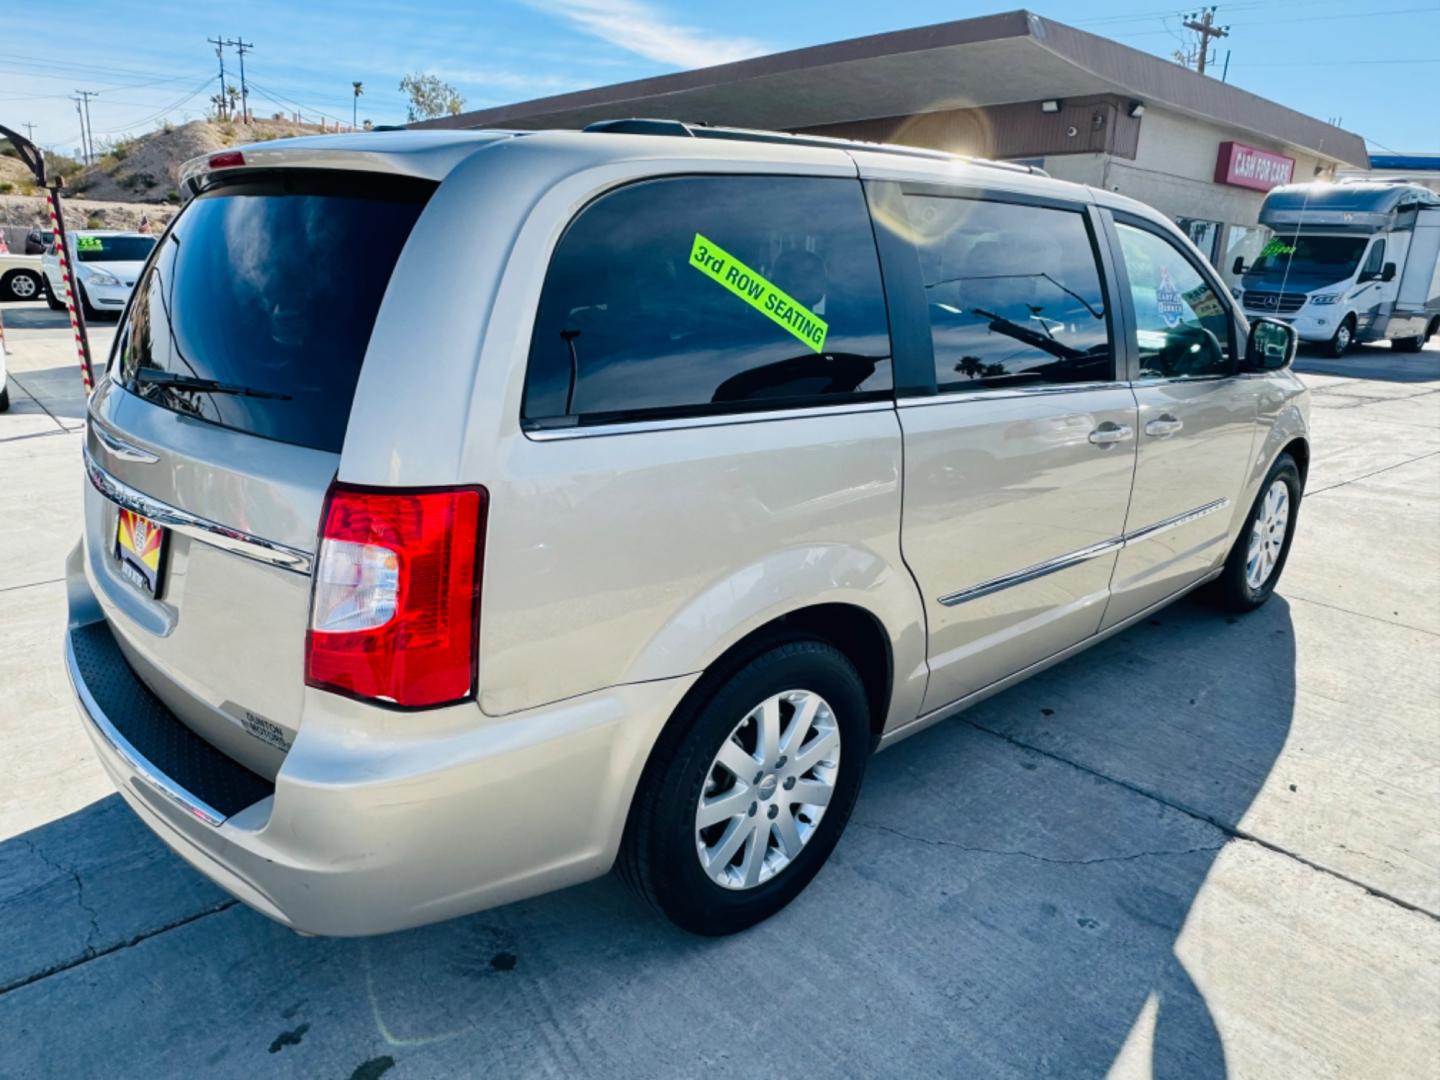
x: 468, y: 513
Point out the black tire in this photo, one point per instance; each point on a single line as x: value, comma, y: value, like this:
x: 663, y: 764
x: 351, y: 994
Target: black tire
x: 21, y: 285
x: 658, y: 856
x: 1408, y: 344
x: 56, y: 303
x: 1232, y: 590
x: 5, y: 399
x: 92, y: 313
x: 1344, y: 337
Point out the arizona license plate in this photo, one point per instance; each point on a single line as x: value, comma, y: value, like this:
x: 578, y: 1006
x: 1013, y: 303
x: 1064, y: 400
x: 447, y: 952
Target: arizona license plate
x: 139, y: 547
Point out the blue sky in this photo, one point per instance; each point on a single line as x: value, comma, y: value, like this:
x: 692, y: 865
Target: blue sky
x: 1377, y: 70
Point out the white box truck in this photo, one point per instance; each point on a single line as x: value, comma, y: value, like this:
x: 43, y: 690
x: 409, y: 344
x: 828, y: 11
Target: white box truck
x: 1357, y: 261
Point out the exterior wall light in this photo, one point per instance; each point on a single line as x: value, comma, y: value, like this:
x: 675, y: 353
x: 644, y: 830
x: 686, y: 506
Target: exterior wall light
x: 1052, y: 105
x: 1137, y: 109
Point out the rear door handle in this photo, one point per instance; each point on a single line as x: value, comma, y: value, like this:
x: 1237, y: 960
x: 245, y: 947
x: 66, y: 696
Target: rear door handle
x: 1108, y: 434
x: 1162, y: 427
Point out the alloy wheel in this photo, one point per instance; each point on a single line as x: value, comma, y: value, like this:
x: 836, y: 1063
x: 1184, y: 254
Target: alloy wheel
x: 1267, y: 535
x: 23, y: 287
x: 767, y: 789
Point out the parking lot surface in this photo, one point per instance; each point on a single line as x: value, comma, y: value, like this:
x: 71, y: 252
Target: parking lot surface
x: 1208, y: 847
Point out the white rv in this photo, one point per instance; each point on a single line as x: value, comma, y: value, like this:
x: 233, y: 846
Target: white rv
x: 1349, y: 262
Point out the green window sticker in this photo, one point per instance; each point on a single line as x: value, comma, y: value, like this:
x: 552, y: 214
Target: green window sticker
x: 1277, y: 247
x: 770, y: 300
x: 89, y: 243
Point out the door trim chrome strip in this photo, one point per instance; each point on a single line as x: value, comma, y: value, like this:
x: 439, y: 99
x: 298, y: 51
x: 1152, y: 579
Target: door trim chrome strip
x: 1175, y: 522
x: 1031, y: 573
x: 235, y: 541
x: 1075, y: 558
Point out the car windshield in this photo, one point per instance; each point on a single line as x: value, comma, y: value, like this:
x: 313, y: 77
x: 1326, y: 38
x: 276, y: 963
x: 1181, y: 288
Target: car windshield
x: 92, y: 248
x: 1332, y: 257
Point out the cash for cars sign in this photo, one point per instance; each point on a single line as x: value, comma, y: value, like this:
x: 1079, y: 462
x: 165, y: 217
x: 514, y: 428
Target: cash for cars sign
x: 1244, y: 166
x: 770, y: 300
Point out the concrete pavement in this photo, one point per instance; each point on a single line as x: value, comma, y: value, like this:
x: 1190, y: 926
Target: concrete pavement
x: 1208, y: 847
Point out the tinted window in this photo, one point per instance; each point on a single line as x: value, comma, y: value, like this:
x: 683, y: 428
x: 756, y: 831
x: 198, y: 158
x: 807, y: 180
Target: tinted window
x: 1182, y: 326
x: 272, y: 286
x: 710, y: 294
x: 1375, y: 261
x: 1013, y: 293
x: 113, y: 248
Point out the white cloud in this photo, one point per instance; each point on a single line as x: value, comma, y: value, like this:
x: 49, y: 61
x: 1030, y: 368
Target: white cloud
x: 639, y: 28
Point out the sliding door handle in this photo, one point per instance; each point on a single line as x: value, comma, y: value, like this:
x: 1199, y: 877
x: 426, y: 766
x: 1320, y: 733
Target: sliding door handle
x: 1108, y: 434
x: 1162, y: 427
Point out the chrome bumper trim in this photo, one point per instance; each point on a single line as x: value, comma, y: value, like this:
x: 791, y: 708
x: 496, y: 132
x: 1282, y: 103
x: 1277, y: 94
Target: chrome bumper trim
x: 246, y: 545
x: 136, y: 761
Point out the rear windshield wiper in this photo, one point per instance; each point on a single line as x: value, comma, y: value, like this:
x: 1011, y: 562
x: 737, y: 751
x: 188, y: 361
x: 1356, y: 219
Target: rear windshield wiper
x: 156, y: 377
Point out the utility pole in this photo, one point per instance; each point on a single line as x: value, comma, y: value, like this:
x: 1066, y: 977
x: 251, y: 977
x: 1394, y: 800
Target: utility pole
x: 220, y: 52
x: 242, y: 47
x: 29, y: 130
x: 1202, y: 22
x: 82, y: 109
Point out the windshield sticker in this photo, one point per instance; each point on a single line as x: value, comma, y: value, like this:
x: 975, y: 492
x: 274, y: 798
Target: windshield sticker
x: 1167, y: 299
x: 89, y: 243
x: 768, y: 299
x: 1277, y: 247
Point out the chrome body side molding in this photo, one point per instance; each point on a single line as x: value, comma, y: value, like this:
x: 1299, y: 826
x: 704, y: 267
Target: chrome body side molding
x: 1075, y: 558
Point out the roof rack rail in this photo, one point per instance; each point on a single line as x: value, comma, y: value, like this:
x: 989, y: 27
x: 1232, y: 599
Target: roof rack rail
x: 638, y: 125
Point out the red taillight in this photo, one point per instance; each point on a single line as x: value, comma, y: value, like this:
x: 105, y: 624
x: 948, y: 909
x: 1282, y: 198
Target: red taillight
x: 230, y: 159
x: 396, y: 598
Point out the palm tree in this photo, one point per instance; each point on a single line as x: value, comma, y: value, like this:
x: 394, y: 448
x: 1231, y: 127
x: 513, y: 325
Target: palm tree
x: 359, y: 89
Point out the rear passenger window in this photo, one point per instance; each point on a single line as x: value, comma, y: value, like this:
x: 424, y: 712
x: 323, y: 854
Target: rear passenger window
x: 695, y: 295
x: 1013, y: 293
x: 1182, y: 327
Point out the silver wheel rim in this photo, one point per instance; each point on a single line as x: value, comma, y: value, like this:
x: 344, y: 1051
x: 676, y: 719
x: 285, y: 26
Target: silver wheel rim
x: 23, y: 287
x: 1267, y: 535
x: 1342, y: 336
x: 767, y: 789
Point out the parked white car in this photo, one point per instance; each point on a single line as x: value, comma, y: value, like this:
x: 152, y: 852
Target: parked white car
x: 20, y: 277
x: 106, y: 261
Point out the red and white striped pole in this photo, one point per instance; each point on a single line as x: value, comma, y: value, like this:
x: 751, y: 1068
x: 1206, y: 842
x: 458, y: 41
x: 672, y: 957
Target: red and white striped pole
x: 72, y: 291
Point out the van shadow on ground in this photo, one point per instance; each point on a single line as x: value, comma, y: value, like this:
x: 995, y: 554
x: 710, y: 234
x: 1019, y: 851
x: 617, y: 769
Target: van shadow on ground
x: 993, y: 910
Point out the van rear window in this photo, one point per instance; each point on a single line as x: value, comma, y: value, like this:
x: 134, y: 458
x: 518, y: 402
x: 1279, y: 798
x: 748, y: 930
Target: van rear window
x: 257, y: 308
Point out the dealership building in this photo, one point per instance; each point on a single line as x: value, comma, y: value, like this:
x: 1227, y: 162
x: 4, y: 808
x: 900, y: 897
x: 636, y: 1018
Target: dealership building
x: 1012, y: 86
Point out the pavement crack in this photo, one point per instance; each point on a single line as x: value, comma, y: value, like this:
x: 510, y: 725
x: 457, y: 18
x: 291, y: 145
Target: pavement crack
x: 93, y: 953
x: 1016, y: 853
x: 74, y: 875
x: 1225, y: 827
x: 1366, y: 476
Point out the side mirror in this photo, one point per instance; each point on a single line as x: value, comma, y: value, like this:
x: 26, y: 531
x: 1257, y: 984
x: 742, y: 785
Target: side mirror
x: 1271, y: 345
x: 1238, y: 266
x: 1388, y: 274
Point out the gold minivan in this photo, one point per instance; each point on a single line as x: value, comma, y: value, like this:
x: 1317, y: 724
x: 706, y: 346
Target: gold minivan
x: 470, y: 513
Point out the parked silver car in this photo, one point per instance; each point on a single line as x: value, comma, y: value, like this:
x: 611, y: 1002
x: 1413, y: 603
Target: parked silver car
x: 470, y: 513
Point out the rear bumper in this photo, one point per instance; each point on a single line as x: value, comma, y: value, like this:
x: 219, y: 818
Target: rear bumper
x: 378, y: 823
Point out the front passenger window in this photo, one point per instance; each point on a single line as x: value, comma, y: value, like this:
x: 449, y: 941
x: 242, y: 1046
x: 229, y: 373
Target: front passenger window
x: 1182, y: 327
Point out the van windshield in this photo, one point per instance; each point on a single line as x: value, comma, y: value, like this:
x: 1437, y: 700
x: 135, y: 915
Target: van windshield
x: 270, y: 285
x: 1331, y: 257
